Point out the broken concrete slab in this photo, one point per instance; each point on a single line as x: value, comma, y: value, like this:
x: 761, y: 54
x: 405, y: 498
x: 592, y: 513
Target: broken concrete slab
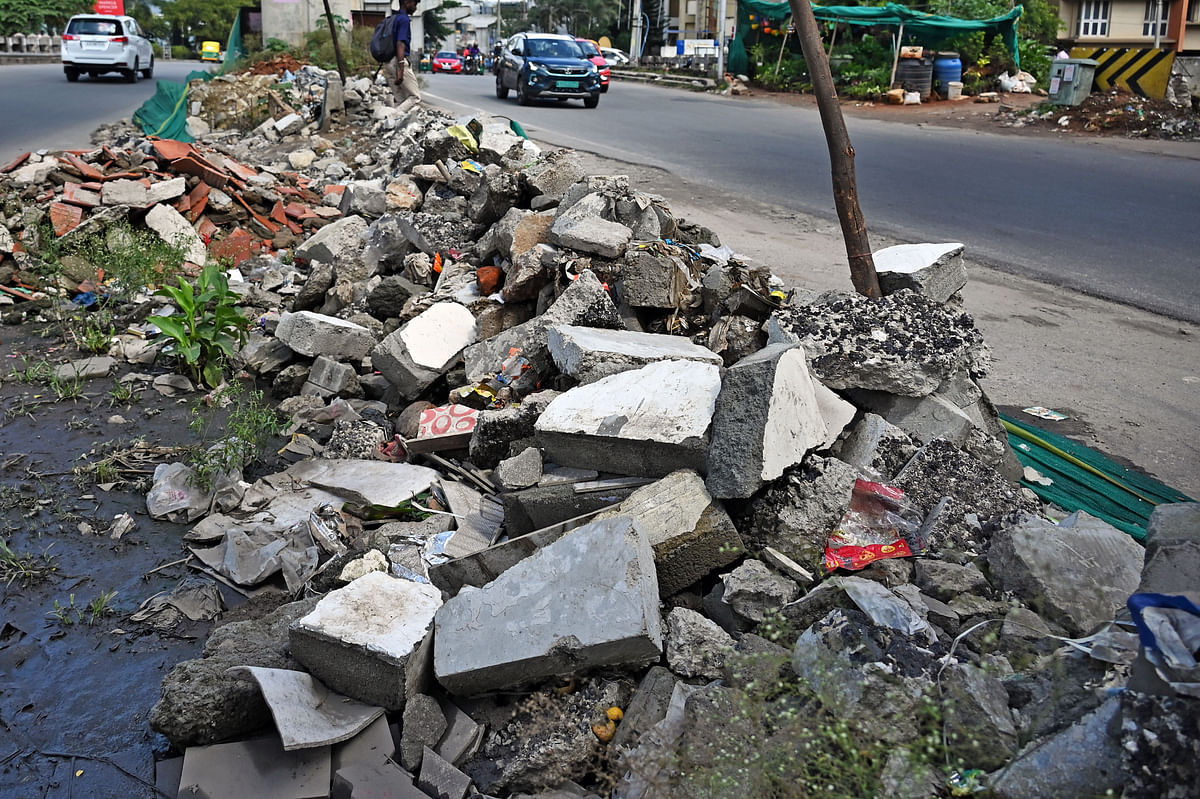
x: 421, y: 350
x: 374, y: 745
x: 923, y: 418
x: 543, y: 506
x: 124, y: 192
x: 371, y: 639
x: 766, y: 419
x: 601, y: 582
x: 306, y: 713
x: 259, y: 768
x: 588, y: 354
x: 648, y: 422
x: 902, y: 344
x: 440, y: 778
x: 172, y: 228
x: 690, y: 532
x: 933, y: 270
x: 1172, y: 549
x: 753, y: 590
x: 1078, y: 573
x: 877, y: 447
x: 329, y: 378
x: 583, y: 227
x: 374, y: 781
x: 314, y: 334
x: 423, y: 726
x: 497, y: 430
x: 365, y: 484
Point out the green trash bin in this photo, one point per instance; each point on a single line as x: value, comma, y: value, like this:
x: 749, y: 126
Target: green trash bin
x: 1071, y: 80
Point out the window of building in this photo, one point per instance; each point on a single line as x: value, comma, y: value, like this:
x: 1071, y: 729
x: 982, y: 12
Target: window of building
x: 1093, y: 18
x: 1153, y: 12
x: 1193, y: 14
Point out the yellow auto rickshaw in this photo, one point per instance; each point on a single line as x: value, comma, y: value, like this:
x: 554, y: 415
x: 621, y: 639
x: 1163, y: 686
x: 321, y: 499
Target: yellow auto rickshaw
x: 210, y: 51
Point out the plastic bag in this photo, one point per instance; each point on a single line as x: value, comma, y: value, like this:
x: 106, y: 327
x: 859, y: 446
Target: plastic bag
x: 880, y: 523
x: 175, y: 494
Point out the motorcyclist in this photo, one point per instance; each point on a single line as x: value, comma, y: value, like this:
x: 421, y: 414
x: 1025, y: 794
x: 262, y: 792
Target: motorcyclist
x: 475, y: 58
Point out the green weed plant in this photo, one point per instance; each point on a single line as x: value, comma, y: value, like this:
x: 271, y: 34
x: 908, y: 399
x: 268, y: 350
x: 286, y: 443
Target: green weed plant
x: 208, y: 328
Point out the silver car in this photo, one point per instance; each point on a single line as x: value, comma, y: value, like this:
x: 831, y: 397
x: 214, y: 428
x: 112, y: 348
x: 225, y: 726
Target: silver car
x: 100, y: 43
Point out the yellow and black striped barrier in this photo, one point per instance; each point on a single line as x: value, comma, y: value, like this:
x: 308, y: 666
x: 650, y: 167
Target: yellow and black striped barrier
x: 1141, y: 71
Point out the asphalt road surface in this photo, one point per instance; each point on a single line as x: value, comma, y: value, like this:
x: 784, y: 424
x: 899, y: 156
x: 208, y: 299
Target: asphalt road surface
x: 40, y: 110
x: 1091, y: 216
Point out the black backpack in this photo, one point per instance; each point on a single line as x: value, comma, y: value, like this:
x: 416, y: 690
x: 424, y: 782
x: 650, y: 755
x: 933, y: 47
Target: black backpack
x: 383, y: 41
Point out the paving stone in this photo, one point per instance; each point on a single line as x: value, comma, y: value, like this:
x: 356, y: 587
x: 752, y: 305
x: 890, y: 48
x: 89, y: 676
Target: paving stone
x: 601, y: 581
x: 588, y: 354
x: 648, y: 422
x: 370, y: 640
x: 315, y: 334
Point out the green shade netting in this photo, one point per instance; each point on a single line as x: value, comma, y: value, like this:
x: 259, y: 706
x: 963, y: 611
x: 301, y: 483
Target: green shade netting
x: 930, y: 27
x: 1122, y: 497
x: 165, y: 114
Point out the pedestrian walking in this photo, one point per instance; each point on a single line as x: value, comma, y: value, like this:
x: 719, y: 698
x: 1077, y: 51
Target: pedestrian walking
x: 401, y: 74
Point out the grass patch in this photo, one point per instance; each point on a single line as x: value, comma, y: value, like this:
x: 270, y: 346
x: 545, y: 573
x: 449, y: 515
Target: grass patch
x: 25, y: 568
x: 248, y: 427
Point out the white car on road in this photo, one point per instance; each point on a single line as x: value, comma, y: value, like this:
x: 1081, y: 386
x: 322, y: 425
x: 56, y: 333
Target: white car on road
x: 99, y: 43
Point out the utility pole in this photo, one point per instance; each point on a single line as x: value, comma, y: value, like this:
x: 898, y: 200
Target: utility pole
x: 635, y: 40
x: 841, y: 153
x: 721, y: 42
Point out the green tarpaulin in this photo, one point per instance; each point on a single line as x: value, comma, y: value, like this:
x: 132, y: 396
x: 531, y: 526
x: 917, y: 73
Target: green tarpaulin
x: 165, y: 114
x: 1084, y: 479
x: 930, y: 27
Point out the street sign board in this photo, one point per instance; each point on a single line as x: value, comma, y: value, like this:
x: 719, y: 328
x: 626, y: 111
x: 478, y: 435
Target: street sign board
x: 114, y: 7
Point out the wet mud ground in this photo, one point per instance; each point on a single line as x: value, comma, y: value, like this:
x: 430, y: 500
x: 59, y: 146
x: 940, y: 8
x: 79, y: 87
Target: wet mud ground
x: 77, y: 681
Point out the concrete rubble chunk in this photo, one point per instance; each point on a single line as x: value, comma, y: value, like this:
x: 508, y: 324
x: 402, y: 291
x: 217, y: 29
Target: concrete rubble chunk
x: 585, y: 303
x: 520, y: 471
x: 335, y: 241
x: 421, y: 350
x: 647, y: 421
x: 690, y: 532
x: 648, y: 280
x: 752, y: 590
x: 306, y: 713
x: 555, y: 173
x: 496, y: 430
x: 945, y: 580
x: 1077, y: 573
x: 588, y: 354
x: 315, y: 334
x: 876, y: 446
x: 286, y: 126
x: 902, y: 344
x: 124, y: 192
x: 371, y: 639
x: 1082, y: 760
x: 767, y: 418
x: 587, y: 600
x: 647, y: 707
x: 696, y: 646
x: 979, y: 725
x: 423, y: 725
x: 165, y: 190
x: 265, y: 355
x: 85, y: 368
x: 329, y: 378
x: 364, y: 198
x: 583, y: 227
x: 933, y: 270
x: 172, y: 228
x: 1172, y: 549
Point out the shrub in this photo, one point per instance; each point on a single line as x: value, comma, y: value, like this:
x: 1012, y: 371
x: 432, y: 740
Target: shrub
x: 208, y: 325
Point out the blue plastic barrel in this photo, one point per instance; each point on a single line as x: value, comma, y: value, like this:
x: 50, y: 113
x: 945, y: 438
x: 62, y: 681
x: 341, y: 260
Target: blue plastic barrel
x: 947, y: 67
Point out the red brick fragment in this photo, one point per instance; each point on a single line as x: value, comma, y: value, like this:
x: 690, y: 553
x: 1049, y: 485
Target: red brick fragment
x: 76, y: 194
x: 65, y: 217
x: 87, y: 170
x: 16, y: 162
x: 278, y: 214
x: 238, y: 246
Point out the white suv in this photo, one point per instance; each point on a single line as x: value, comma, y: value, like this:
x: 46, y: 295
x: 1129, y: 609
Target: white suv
x: 99, y: 43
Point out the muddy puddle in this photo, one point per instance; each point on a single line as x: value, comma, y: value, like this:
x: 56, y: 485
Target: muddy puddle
x: 77, y: 676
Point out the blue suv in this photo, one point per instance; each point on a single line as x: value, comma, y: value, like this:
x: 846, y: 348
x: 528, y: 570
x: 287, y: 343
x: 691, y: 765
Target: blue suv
x: 545, y: 66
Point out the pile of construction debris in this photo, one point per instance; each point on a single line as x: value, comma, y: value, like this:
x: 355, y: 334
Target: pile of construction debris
x: 1115, y: 112
x: 562, y: 465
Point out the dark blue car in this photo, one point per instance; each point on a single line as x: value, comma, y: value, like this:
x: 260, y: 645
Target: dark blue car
x: 546, y: 66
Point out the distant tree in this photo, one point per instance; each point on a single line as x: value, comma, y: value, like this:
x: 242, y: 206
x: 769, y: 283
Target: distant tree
x: 23, y: 16
x: 149, y: 18
x: 436, y: 28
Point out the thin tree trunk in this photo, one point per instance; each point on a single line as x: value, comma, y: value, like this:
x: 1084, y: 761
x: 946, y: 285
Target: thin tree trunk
x: 333, y: 34
x: 841, y: 153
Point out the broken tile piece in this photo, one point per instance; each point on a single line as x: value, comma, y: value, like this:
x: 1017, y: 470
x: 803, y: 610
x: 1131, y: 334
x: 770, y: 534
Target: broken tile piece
x: 306, y: 713
x: 257, y: 769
